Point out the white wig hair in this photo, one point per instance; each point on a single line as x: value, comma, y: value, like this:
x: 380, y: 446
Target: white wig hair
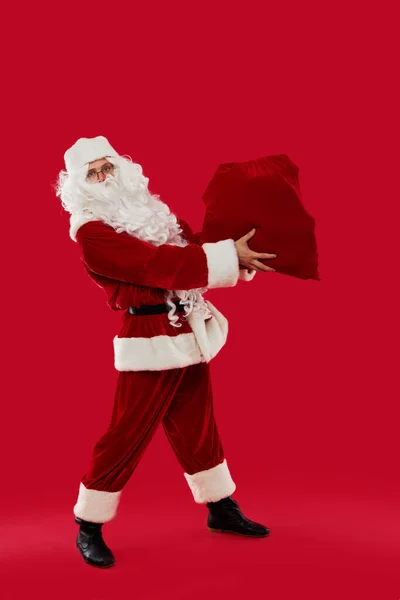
x: 124, y: 202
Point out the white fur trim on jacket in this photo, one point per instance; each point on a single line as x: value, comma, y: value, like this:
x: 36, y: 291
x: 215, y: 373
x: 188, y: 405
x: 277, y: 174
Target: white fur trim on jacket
x: 77, y: 220
x: 211, y: 485
x: 247, y: 274
x: 163, y: 352
x: 223, y: 264
x: 96, y: 506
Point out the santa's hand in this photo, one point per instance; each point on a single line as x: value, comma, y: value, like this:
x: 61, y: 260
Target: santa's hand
x: 248, y: 258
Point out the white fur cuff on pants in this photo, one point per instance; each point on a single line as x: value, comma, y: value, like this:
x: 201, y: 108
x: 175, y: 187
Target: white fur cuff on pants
x: 96, y: 506
x: 211, y: 485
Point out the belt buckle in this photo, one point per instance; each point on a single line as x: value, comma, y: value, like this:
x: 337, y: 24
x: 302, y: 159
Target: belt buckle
x: 132, y: 310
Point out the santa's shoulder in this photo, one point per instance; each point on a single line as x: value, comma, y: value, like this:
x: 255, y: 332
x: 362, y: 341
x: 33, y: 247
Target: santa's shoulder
x: 82, y: 223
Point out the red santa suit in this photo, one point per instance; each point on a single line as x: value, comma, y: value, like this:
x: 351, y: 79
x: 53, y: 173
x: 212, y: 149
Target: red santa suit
x: 163, y: 371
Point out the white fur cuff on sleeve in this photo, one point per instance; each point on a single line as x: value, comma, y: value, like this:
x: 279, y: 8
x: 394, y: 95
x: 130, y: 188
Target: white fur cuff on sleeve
x: 223, y: 264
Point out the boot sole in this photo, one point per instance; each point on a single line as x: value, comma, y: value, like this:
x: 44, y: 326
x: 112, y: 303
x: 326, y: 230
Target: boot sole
x: 94, y: 564
x: 260, y: 535
x: 98, y: 566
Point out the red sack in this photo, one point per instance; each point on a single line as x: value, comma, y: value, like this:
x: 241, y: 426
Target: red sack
x: 264, y: 194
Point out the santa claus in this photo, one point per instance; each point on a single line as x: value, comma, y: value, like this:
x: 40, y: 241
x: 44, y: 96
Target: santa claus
x: 155, y: 269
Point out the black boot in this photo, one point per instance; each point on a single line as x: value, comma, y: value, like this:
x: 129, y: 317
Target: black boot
x: 226, y: 517
x: 91, y: 545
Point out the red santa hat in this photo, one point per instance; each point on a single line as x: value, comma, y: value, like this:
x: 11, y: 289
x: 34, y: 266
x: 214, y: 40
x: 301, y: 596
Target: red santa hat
x: 86, y: 150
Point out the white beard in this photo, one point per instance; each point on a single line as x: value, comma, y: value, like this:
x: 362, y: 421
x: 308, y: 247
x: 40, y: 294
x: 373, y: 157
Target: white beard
x: 126, y: 205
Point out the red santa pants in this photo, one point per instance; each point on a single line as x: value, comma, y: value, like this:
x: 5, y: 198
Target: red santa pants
x: 181, y: 399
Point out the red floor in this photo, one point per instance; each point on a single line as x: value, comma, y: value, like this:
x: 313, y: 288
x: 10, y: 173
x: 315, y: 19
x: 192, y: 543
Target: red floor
x: 321, y: 546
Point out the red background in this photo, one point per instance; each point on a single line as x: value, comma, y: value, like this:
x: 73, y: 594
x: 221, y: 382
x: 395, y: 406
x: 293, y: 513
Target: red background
x: 305, y: 389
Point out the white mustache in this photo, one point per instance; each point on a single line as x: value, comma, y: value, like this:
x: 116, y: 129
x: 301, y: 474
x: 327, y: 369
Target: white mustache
x: 104, y: 191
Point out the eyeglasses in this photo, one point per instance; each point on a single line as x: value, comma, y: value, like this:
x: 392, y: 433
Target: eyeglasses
x: 106, y: 169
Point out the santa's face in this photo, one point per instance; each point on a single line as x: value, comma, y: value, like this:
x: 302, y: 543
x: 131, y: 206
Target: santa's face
x: 108, y: 188
x: 98, y: 170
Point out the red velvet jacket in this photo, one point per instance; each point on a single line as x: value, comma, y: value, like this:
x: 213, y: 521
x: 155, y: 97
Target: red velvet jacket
x: 133, y: 272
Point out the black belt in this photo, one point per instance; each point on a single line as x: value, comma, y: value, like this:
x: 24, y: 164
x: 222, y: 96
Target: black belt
x: 154, y: 309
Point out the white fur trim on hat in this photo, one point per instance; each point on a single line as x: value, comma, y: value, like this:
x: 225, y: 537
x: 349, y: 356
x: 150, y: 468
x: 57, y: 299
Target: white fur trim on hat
x: 211, y: 485
x: 96, y: 506
x: 86, y: 150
